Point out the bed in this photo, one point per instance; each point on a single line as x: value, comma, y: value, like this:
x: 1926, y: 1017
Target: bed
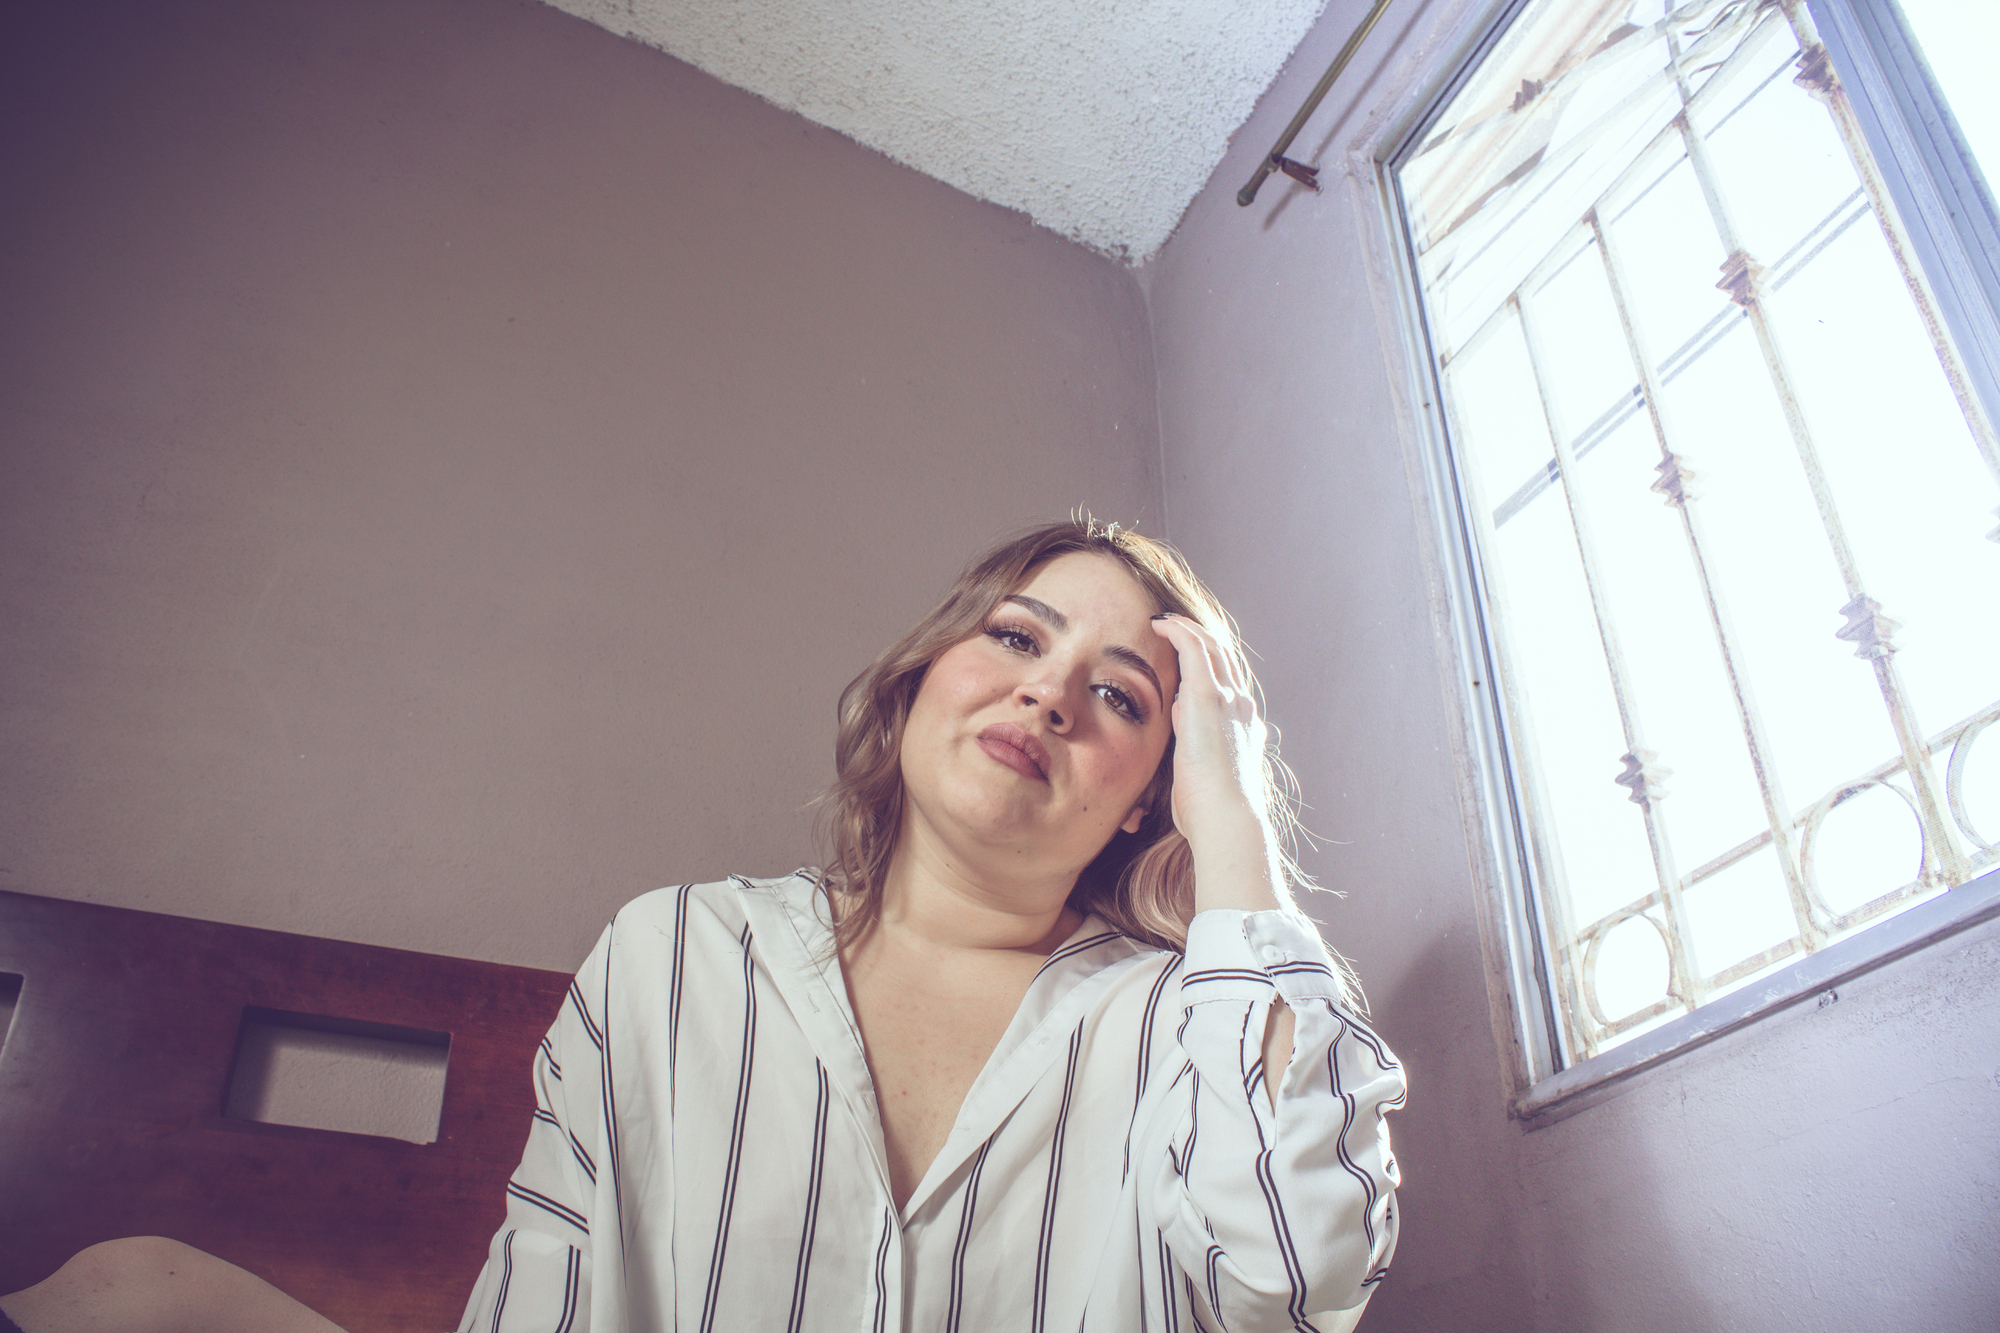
x: 115, y: 1077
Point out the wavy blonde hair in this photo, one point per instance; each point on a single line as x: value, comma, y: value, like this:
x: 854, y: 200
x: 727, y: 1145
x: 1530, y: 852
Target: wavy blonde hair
x: 1141, y: 883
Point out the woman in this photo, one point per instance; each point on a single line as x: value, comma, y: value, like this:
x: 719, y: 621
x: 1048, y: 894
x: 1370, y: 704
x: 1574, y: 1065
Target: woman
x: 1046, y: 1045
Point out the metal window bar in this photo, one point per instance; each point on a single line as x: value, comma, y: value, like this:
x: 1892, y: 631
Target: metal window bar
x: 1867, y: 627
x: 1642, y: 772
x: 1676, y: 484
x: 1941, y: 814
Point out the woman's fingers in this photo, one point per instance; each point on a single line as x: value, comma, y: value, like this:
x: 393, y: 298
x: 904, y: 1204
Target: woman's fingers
x: 1200, y: 653
x: 1221, y: 801
x: 1219, y: 740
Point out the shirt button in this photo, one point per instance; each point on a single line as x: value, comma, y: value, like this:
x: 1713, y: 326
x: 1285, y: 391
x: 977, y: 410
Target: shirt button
x: 1273, y: 954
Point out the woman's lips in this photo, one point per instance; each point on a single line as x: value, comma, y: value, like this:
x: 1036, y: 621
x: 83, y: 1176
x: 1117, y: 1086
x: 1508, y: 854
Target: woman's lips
x: 1017, y: 748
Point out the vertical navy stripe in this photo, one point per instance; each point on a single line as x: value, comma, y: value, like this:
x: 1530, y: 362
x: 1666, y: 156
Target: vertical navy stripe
x: 590, y: 1028
x: 1194, y: 1128
x: 678, y: 970
x: 506, y: 1276
x: 572, y: 1289
x: 966, y: 1210
x: 1348, y: 1111
x: 1147, y: 1018
x: 582, y: 1157
x: 882, y: 1273
x: 1163, y: 1256
x: 1215, y: 1287
x: 1282, y: 1230
x: 1368, y: 1039
x: 802, y: 1269
x: 1193, y: 1304
x: 1147, y: 1022
x: 736, y: 1135
x: 1045, y: 1251
x: 1243, y: 1049
x: 608, y: 1090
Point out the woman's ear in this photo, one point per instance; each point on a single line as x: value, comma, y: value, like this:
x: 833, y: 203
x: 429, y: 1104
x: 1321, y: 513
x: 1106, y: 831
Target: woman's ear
x: 1133, y: 820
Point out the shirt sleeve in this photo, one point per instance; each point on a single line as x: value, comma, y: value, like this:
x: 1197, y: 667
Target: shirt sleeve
x: 538, y: 1268
x: 1279, y: 1218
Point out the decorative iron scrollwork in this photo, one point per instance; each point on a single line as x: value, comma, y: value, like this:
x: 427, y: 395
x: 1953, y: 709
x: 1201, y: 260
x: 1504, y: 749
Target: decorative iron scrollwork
x: 1645, y: 775
x: 1867, y: 628
x: 1676, y: 480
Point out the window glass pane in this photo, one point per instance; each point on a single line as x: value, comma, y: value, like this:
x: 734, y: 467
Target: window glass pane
x: 1774, y: 199
x: 1916, y: 499
x: 1732, y: 519
x: 1630, y: 968
x: 1775, y: 573
x: 1659, y: 214
x: 1680, y: 688
x: 1557, y: 676
x: 1740, y: 912
x: 1976, y: 787
x: 1870, y: 839
x: 1494, y: 394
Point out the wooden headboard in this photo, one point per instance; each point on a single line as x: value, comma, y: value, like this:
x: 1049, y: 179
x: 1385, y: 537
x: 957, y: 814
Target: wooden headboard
x: 112, y: 1084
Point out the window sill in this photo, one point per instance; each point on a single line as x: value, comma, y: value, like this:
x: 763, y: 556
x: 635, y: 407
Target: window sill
x: 1584, y: 1084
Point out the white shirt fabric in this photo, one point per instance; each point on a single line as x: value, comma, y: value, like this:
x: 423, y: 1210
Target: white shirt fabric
x: 706, y: 1151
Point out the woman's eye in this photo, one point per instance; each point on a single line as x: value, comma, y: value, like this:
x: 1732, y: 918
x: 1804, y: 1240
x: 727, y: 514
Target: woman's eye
x: 1119, y: 700
x: 1018, y: 640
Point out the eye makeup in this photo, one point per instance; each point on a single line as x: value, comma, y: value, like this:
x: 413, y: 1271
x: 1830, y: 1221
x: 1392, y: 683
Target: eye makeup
x: 1021, y: 638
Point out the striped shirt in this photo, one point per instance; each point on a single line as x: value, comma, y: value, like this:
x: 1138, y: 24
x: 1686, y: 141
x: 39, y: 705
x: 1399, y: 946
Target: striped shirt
x: 706, y: 1151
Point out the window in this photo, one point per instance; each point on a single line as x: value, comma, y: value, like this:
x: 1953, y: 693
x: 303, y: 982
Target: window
x: 1708, y: 293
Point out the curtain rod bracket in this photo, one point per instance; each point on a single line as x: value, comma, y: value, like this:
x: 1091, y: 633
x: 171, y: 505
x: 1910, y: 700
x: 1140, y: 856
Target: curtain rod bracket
x: 1300, y: 172
x: 1275, y: 160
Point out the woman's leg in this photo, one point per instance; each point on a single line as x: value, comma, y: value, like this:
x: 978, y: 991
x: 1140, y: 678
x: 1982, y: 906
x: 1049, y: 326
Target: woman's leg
x: 146, y: 1284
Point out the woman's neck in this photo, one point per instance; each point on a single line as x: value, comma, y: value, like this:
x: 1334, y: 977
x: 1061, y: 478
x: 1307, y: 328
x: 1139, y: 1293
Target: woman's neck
x: 931, y: 900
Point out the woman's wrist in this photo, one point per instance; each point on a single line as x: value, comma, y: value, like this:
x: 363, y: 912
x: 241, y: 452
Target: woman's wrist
x: 1239, y: 868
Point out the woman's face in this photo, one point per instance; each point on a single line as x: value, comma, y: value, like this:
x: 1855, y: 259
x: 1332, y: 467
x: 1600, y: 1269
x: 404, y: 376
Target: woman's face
x: 1033, y: 740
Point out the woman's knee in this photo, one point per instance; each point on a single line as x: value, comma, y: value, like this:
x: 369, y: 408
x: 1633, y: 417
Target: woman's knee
x: 137, y: 1284
x: 146, y: 1263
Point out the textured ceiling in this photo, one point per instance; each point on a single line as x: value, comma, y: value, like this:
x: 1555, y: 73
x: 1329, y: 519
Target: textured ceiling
x: 1099, y: 119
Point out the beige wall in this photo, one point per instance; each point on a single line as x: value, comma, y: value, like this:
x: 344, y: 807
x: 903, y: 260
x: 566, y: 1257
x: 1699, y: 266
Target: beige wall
x: 452, y: 458
x: 1834, y: 1168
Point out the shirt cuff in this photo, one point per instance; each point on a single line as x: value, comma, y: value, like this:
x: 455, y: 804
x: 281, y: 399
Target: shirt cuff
x: 1235, y: 955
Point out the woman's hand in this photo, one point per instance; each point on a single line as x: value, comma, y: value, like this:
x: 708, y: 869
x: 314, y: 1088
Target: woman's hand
x: 1222, y: 802
x: 1221, y: 792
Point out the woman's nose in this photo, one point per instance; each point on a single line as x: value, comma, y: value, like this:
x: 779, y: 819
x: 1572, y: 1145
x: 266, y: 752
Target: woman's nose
x: 1049, y: 693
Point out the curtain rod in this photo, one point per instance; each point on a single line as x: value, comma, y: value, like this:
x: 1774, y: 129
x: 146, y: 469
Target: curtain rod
x: 1275, y: 160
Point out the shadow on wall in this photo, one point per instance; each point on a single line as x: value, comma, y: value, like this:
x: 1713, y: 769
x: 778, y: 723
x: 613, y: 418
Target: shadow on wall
x: 1837, y: 1156
x: 1610, y: 1270
x: 1466, y: 1235
x: 1460, y: 1235
x: 448, y: 476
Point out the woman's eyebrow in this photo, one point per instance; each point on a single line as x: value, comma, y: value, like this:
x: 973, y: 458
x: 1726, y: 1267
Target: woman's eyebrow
x: 1040, y: 609
x: 1131, y: 658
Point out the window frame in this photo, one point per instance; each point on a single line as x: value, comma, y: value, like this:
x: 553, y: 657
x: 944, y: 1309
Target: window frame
x: 1936, y: 197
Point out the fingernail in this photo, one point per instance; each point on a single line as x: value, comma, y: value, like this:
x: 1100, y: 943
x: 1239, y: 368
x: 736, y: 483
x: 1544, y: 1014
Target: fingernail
x: 1164, y: 615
